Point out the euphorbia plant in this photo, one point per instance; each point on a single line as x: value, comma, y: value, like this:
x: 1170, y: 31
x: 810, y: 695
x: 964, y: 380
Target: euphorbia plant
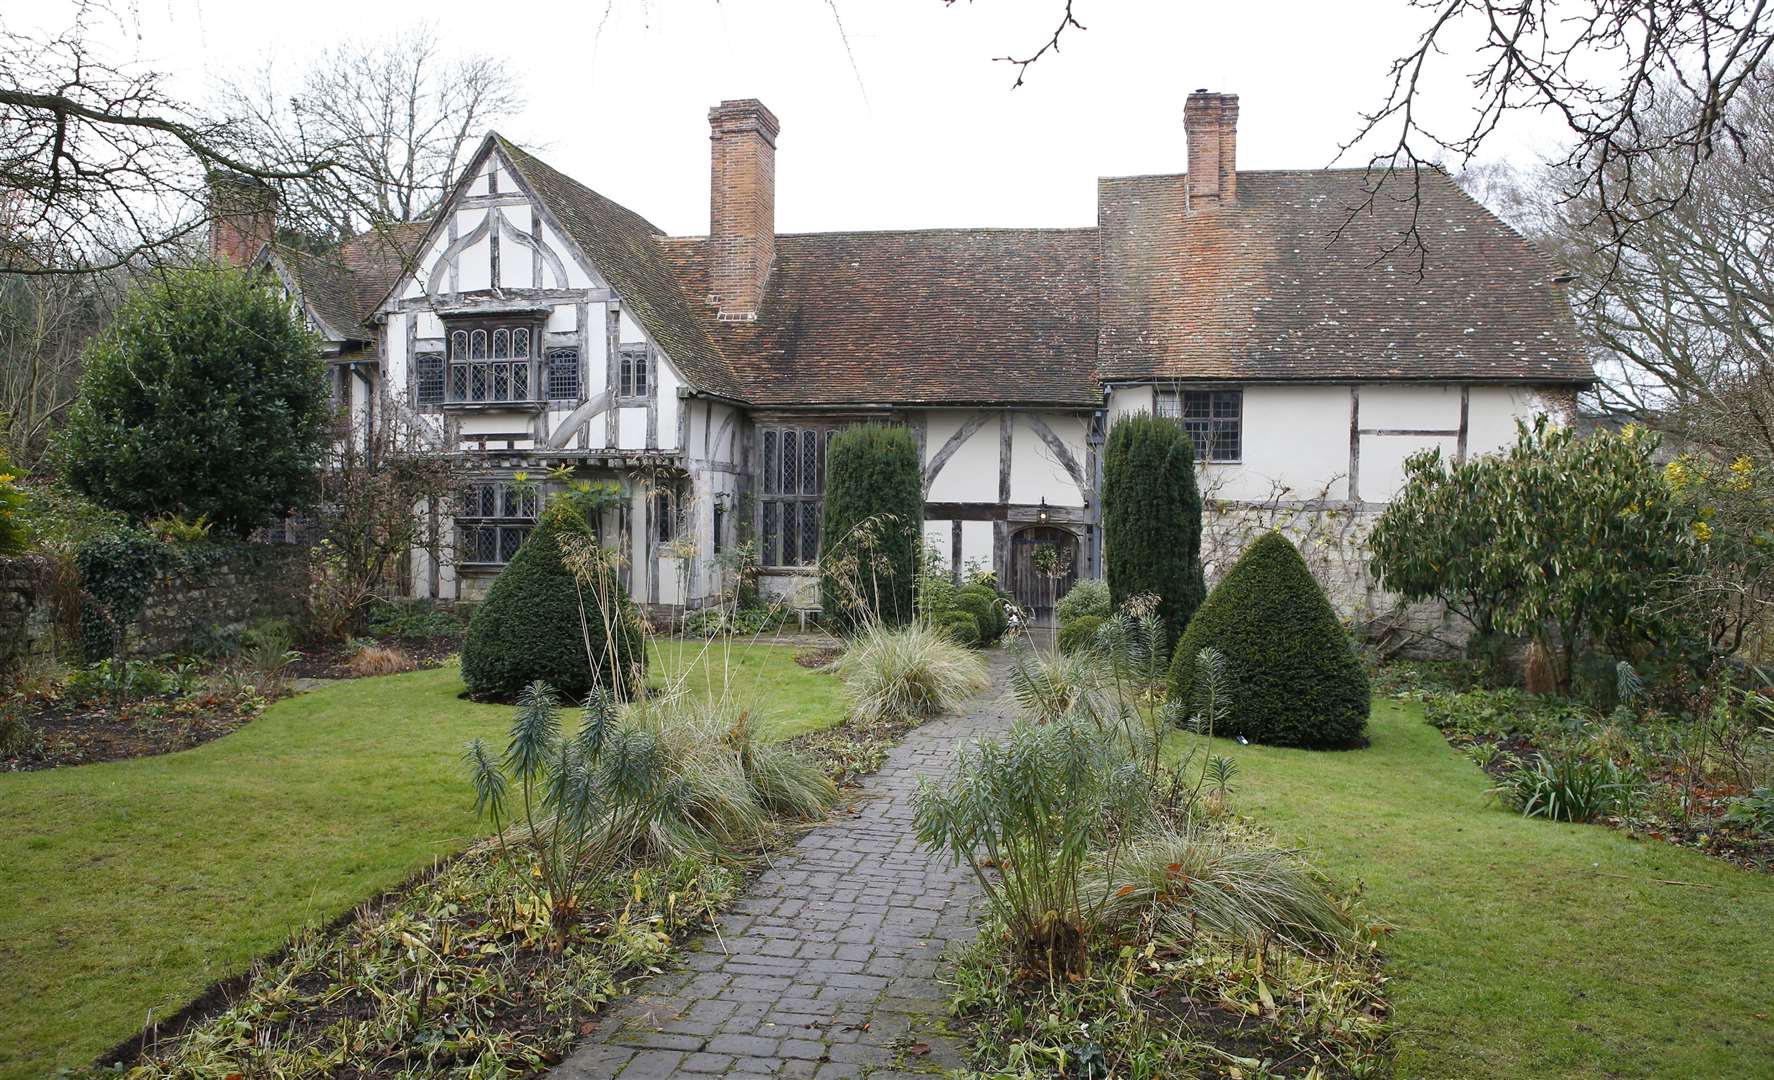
x: 564, y: 807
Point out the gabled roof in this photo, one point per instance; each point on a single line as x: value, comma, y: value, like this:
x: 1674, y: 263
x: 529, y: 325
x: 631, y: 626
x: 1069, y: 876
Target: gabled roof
x: 1296, y: 281
x: 626, y: 250
x: 939, y: 316
x: 342, y: 288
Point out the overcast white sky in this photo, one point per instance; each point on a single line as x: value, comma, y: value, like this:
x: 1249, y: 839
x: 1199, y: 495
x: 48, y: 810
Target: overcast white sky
x: 924, y: 130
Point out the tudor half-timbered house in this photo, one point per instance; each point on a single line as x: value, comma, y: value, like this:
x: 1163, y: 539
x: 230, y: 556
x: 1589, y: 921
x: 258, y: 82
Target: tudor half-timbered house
x: 533, y: 324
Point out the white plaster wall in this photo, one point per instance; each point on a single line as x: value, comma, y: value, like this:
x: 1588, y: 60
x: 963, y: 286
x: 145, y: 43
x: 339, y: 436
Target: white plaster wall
x: 1382, y: 461
x: 971, y: 473
x: 1295, y: 436
x: 1492, y: 413
x: 474, y: 263
x: 1410, y: 406
x: 1127, y: 400
x: 394, y: 355
x: 667, y: 392
x: 976, y: 544
x: 939, y: 536
x: 1036, y: 472
x: 631, y: 429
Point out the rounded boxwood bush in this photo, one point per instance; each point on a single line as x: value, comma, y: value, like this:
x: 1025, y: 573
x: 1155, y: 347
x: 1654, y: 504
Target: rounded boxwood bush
x: 983, y: 605
x: 961, y: 627
x: 1076, y: 635
x: 1292, y: 676
x: 528, y: 626
x: 1089, y: 596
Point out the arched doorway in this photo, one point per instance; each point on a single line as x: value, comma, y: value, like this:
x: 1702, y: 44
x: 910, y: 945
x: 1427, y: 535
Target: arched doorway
x: 1043, y: 566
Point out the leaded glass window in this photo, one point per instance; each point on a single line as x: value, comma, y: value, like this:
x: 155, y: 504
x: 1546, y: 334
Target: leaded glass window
x: 791, y: 482
x: 494, y: 519
x: 563, y: 374
x: 1214, y: 420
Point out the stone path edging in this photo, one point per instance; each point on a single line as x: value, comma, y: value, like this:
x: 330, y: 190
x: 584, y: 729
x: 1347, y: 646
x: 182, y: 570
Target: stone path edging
x: 827, y: 967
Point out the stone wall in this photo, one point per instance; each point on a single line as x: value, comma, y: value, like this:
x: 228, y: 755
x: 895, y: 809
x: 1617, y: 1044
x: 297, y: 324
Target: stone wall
x: 28, y: 610
x: 183, y: 610
x: 1332, y: 538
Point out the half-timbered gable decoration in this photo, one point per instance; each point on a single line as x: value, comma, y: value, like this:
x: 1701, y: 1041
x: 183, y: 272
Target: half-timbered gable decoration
x: 536, y: 326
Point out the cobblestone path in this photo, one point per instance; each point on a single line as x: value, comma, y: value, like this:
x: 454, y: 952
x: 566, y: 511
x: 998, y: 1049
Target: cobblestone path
x: 826, y: 968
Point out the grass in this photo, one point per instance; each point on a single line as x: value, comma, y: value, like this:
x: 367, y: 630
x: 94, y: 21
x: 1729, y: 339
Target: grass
x: 787, y: 699
x: 1526, y: 947
x: 130, y: 886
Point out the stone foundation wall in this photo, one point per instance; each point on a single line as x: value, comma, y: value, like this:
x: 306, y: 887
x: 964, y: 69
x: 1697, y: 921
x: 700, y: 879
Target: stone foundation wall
x: 1332, y: 538
x: 181, y: 612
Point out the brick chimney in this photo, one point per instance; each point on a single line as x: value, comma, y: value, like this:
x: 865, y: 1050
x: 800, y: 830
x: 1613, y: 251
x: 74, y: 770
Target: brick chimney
x: 742, y: 207
x: 1210, y: 121
x: 242, y: 217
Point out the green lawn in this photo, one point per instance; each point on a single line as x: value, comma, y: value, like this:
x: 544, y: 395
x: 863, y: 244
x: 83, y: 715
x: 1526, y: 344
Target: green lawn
x: 130, y: 886
x: 1525, y: 948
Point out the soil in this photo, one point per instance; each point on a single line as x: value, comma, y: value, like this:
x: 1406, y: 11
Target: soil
x: 328, y: 661
x: 81, y: 733
x: 818, y: 656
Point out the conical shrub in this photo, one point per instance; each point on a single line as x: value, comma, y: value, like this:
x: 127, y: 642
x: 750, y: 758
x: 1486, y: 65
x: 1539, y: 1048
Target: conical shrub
x: 528, y: 627
x: 1292, y: 677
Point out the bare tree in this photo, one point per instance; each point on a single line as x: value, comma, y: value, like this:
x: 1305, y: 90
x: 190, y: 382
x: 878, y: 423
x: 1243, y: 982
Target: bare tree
x: 98, y: 163
x: 45, y: 322
x: 1613, y: 72
x: 397, y: 117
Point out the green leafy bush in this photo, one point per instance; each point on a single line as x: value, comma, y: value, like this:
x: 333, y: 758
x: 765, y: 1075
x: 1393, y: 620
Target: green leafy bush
x: 982, y: 604
x: 1561, y: 536
x: 743, y: 622
x: 1079, y: 633
x: 1089, y: 596
x: 1152, y: 518
x: 117, y: 571
x: 412, y: 620
x: 205, y: 397
x: 14, y: 505
x: 905, y: 674
x: 872, y: 524
x: 1293, y: 677
x: 962, y: 628
x: 529, y: 627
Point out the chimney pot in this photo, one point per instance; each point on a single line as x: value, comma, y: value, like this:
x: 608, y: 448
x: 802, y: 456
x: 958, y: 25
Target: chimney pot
x: 243, y: 217
x: 742, y: 206
x: 1210, y: 123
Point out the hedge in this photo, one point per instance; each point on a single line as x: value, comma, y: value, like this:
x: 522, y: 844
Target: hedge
x: 1078, y: 634
x: 961, y: 626
x: 982, y: 604
x: 1088, y: 597
x: 873, y: 525
x: 1152, y: 517
x: 528, y: 627
x: 1292, y: 674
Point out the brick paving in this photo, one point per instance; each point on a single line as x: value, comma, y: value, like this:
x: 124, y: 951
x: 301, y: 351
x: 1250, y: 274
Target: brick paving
x: 827, y: 967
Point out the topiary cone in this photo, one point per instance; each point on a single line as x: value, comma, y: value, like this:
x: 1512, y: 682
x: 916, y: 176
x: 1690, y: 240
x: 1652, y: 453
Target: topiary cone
x: 528, y: 627
x: 1293, y: 677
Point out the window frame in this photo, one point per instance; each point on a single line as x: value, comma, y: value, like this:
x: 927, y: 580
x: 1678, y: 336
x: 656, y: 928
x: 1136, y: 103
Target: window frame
x: 549, y: 354
x: 785, y: 490
x: 490, y: 334
x: 1216, y: 424
x: 634, y: 361
x: 513, y: 513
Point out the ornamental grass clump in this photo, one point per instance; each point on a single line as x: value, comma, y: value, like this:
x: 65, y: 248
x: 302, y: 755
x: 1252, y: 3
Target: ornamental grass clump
x: 908, y: 673
x: 1027, y: 815
x: 1184, y: 884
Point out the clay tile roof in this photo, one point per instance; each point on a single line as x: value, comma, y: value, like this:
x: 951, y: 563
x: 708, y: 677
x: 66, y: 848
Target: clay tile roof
x: 377, y: 259
x: 1261, y: 291
x: 625, y: 248
x: 325, y: 285
x: 947, y: 316
x: 343, y: 287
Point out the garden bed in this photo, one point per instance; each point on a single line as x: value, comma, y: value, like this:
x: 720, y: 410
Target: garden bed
x: 69, y: 732
x: 1651, y: 775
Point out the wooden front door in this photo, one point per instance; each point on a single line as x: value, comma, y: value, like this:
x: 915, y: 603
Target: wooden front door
x: 1038, y: 580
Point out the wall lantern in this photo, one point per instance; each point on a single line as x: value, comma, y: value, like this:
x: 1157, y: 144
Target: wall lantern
x: 1043, y: 511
